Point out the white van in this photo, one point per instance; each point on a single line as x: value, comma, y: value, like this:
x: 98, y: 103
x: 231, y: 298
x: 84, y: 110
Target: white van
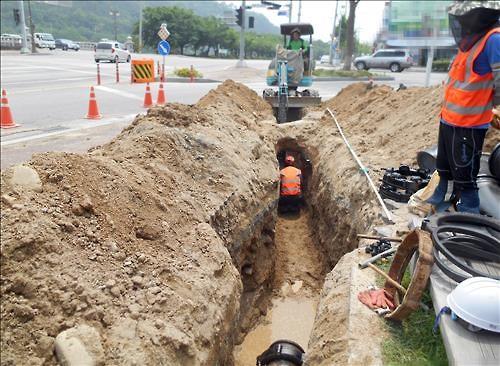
x: 45, y: 40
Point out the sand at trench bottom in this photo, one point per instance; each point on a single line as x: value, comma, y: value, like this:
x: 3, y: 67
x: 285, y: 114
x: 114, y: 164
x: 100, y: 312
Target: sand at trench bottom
x: 293, y: 309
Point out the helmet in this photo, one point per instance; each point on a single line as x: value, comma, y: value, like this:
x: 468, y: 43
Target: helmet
x: 296, y: 30
x: 463, y: 7
x: 476, y: 301
x: 289, y: 160
x: 470, y: 20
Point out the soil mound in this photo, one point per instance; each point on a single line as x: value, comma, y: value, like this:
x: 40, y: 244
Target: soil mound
x: 389, y: 127
x: 119, y: 238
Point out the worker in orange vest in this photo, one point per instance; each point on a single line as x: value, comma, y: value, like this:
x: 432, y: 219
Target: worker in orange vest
x: 290, y: 187
x: 471, y: 93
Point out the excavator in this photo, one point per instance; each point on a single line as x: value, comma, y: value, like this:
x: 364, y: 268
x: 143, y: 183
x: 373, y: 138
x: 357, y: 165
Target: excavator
x: 288, y: 71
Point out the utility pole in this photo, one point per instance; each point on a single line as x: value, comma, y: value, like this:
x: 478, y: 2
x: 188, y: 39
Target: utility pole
x: 32, y: 30
x: 332, y: 41
x: 140, y: 26
x: 290, y: 11
x: 300, y: 11
x: 115, y: 13
x: 241, y: 61
x: 24, y: 45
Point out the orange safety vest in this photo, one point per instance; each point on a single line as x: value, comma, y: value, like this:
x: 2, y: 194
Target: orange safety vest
x: 468, y: 97
x: 290, y: 181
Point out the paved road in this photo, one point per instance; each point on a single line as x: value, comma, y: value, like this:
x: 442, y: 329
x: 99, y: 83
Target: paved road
x: 48, y: 93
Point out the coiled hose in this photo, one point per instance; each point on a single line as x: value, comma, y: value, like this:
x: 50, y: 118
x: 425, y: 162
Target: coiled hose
x: 460, y: 237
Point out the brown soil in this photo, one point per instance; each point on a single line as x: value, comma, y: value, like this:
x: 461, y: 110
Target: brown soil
x: 299, y: 271
x: 165, y: 239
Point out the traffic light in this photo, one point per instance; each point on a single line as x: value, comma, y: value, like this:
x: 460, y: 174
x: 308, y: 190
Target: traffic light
x: 17, y: 17
x: 239, y: 16
x: 251, y: 22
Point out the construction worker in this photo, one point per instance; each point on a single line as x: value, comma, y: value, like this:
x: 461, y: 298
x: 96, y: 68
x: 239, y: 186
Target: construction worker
x: 296, y: 43
x: 471, y: 92
x: 290, y: 186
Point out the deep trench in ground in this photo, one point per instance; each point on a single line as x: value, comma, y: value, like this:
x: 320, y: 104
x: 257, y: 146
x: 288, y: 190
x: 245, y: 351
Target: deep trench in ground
x: 283, y: 264
x: 299, y: 270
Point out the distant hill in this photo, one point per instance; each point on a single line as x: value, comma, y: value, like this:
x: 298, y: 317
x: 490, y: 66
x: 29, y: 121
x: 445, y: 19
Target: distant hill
x: 90, y: 20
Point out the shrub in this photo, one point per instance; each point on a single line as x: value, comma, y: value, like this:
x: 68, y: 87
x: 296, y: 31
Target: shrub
x: 185, y: 72
x: 441, y: 65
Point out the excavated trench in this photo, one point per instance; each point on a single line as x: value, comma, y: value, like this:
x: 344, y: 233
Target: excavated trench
x: 283, y: 260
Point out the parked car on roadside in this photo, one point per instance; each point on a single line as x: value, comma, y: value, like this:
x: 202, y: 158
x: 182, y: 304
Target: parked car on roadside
x: 395, y: 60
x: 45, y: 40
x: 66, y: 44
x: 325, y: 59
x: 10, y: 41
x: 111, y: 51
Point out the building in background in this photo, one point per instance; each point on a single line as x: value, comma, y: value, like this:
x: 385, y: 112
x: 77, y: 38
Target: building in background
x: 417, y: 26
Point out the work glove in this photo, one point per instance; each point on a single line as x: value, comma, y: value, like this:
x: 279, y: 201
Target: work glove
x: 376, y: 299
x: 496, y: 118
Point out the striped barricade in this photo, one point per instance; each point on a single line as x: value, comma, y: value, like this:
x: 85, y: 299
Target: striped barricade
x: 143, y: 71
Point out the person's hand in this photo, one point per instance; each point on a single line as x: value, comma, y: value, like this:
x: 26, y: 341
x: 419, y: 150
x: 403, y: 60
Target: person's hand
x: 495, y: 123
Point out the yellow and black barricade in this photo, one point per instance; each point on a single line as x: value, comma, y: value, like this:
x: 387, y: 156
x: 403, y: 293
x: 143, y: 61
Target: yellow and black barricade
x: 143, y: 71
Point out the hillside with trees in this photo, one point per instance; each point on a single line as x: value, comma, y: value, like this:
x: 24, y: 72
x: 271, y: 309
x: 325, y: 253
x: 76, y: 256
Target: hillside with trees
x: 90, y: 20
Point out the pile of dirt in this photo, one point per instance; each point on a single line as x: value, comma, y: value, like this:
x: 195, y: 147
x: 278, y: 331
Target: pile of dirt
x: 388, y: 127
x: 121, y: 238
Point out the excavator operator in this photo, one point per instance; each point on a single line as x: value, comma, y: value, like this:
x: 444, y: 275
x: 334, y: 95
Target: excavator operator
x: 290, y: 187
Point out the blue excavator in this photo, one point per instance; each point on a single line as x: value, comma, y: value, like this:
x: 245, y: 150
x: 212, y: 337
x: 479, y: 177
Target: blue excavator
x: 288, y: 71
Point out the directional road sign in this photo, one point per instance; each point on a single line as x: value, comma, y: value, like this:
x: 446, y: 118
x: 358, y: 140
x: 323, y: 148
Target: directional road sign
x: 163, y: 48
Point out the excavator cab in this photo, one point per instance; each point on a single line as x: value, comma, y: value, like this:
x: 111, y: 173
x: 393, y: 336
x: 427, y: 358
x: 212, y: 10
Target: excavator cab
x: 288, y: 71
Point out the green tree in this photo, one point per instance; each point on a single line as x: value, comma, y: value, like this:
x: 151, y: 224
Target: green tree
x: 181, y: 23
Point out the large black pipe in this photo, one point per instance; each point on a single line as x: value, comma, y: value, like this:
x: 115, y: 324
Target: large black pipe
x: 489, y: 196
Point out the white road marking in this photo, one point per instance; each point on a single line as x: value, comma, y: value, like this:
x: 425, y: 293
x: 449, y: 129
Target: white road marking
x: 118, y: 92
x: 45, y: 81
x: 125, y: 119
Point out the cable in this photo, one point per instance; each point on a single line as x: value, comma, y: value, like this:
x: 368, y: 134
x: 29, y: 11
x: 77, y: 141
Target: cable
x: 460, y: 237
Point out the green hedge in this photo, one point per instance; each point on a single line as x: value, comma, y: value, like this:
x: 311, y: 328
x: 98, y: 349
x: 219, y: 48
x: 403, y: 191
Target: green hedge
x: 440, y: 65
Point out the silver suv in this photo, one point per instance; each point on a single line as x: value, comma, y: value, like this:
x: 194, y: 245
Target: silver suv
x: 394, y: 60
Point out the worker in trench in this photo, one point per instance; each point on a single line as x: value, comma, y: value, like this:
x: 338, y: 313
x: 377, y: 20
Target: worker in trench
x: 290, y: 187
x: 471, y: 93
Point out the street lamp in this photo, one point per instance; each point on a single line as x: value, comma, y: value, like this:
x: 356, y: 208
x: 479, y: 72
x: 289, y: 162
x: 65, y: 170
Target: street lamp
x: 115, y: 13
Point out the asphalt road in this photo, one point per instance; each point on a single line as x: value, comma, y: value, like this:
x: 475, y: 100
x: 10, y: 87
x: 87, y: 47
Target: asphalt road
x: 48, y: 93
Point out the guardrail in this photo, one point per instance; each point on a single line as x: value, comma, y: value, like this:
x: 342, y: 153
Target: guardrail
x: 89, y: 46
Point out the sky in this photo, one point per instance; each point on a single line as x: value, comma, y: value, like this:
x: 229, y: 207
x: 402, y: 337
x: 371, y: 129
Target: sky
x: 320, y: 14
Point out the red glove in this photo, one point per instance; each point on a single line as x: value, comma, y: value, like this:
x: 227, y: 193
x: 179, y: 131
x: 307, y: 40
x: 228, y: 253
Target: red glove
x: 376, y: 299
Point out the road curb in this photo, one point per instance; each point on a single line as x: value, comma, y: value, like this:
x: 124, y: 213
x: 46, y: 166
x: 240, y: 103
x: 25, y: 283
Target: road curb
x: 188, y: 80
x: 363, y: 78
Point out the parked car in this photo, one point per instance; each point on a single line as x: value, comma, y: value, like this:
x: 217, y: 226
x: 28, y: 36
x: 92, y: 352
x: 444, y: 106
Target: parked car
x: 10, y: 41
x: 394, y: 60
x: 111, y: 51
x: 325, y: 59
x: 45, y: 40
x: 66, y: 44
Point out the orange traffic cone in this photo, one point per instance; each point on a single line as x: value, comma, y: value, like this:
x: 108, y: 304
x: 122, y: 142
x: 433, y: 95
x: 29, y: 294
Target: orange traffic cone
x: 148, y: 101
x: 161, y: 96
x: 93, y: 112
x: 6, y: 120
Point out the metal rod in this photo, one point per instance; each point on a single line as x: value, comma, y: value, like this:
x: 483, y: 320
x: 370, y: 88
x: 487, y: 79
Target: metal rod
x: 362, y: 167
x: 366, y: 236
x: 98, y: 74
x: 378, y: 256
x: 117, y: 72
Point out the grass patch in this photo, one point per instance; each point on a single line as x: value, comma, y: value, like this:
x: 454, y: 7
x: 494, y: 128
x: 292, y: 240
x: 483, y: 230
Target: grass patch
x: 342, y: 73
x: 185, y: 72
x: 412, y: 342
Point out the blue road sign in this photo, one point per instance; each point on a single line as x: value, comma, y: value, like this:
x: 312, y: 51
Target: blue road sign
x: 163, y: 48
